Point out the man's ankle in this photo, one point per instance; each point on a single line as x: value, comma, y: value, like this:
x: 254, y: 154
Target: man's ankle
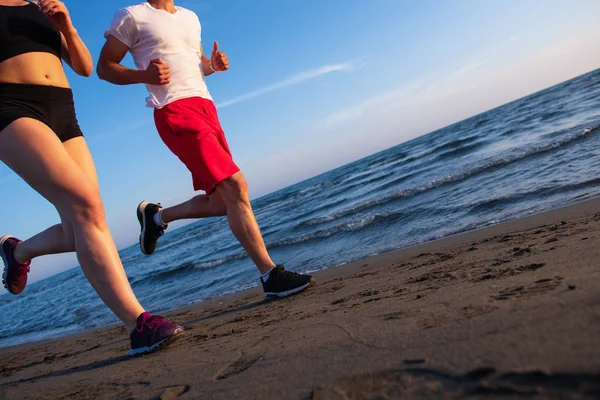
x: 266, y: 273
x: 158, y: 218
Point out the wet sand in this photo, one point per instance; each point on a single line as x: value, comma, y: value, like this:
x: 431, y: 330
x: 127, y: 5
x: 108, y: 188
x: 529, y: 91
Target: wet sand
x: 508, y: 311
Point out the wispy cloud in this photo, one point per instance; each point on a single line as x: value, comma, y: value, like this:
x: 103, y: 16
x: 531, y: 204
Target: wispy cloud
x: 296, y: 79
x: 484, y: 58
x: 511, y: 40
x: 121, y: 129
x: 469, y: 67
x: 429, y: 104
x: 381, y: 102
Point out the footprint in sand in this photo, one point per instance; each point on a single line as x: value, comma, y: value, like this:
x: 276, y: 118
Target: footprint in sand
x: 539, y: 287
x: 173, y: 392
x: 248, y: 358
x: 483, y: 383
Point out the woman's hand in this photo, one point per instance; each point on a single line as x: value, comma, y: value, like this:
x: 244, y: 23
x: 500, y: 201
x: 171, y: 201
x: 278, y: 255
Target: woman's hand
x: 57, y: 14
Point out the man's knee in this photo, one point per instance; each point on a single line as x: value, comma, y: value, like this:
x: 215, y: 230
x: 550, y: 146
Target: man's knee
x: 234, y: 189
x: 217, y: 205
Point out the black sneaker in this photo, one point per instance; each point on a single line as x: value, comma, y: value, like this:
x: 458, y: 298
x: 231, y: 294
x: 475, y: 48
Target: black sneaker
x: 282, y: 283
x: 150, y: 230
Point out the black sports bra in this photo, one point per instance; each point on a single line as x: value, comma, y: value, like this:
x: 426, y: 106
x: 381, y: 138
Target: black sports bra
x: 24, y: 29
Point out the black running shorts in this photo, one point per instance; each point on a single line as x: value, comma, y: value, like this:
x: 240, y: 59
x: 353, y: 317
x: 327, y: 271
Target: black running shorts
x: 48, y: 104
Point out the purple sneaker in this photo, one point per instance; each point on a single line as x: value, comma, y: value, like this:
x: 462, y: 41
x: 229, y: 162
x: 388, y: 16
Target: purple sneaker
x: 14, y: 277
x: 152, y: 332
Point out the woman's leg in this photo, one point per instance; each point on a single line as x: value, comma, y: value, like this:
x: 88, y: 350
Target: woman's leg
x: 34, y: 152
x: 59, y: 238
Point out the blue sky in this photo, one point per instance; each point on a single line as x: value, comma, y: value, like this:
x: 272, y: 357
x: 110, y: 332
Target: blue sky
x: 314, y: 85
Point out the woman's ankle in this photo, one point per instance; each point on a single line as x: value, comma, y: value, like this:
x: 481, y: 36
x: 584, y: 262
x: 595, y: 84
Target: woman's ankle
x: 19, y: 256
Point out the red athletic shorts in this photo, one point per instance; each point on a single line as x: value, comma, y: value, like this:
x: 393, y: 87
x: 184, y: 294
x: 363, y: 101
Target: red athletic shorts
x: 191, y: 130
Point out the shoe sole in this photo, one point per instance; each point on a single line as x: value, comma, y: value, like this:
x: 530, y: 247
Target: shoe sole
x: 279, y: 295
x: 142, y: 219
x: 4, y: 260
x: 156, y: 346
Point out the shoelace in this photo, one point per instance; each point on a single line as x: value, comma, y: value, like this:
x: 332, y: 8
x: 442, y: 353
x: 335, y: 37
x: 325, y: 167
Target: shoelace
x: 153, y: 322
x: 284, y: 274
x: 23, y: 270
x: 156, y: 322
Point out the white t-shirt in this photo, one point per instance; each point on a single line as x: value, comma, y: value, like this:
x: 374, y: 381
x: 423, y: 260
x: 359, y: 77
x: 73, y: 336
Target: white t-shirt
x: 151, y: 33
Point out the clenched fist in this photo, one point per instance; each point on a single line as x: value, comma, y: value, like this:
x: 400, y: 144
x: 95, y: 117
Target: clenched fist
x: 157, y: 73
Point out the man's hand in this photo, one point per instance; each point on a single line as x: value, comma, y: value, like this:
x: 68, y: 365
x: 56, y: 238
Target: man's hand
x: 57, y: 14
x: 218, y: 59
x: 157, y: 73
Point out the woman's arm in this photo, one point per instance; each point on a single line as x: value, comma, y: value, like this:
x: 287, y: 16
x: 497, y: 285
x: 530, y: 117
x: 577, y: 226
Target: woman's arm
x: 73, y: 50
x: 76, y: 54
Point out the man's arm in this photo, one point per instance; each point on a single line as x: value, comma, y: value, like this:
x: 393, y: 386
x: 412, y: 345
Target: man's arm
x: 109, y: 67
x: 217, y: 62
x: 206, y: 67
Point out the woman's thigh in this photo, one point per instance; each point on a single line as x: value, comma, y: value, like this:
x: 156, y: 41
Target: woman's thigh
x: 34, y: 152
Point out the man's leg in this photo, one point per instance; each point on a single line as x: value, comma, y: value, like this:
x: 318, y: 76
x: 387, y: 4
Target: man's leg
x: 276, y: 281
x: 154, y: 219
x: 191, y: 130
x: 234, y: 192
x: 230, y: 198
x: 200, y: 206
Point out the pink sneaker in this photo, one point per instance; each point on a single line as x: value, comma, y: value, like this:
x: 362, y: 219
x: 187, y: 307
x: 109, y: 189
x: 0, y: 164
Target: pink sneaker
x: 14, y: 277
x: 151, y: 333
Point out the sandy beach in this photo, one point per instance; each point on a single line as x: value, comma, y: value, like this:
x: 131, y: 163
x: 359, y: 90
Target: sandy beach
x: 508, y: 311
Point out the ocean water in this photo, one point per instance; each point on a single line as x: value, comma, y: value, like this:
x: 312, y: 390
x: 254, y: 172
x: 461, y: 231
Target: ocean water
x: 533, y: 154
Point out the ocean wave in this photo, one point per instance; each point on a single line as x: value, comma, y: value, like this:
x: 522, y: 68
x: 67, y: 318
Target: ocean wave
x: 461, y: 150
x: 186, y: 268
x: 380, y: 178
x: 491, y: 204
x: 419, y: 156
x: 351, y: 226
x: 195, y: 234
x: 509, y: 132
x: 434, y: 184
x: 389, y: 159
x: 322, y: 207
x: 355, y: 181
x: 552, y: 115
x: 589, y: 131
x: 480, y: 123
x: 364, y: 180
x: 455, y: 143
x: 400, y: 179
